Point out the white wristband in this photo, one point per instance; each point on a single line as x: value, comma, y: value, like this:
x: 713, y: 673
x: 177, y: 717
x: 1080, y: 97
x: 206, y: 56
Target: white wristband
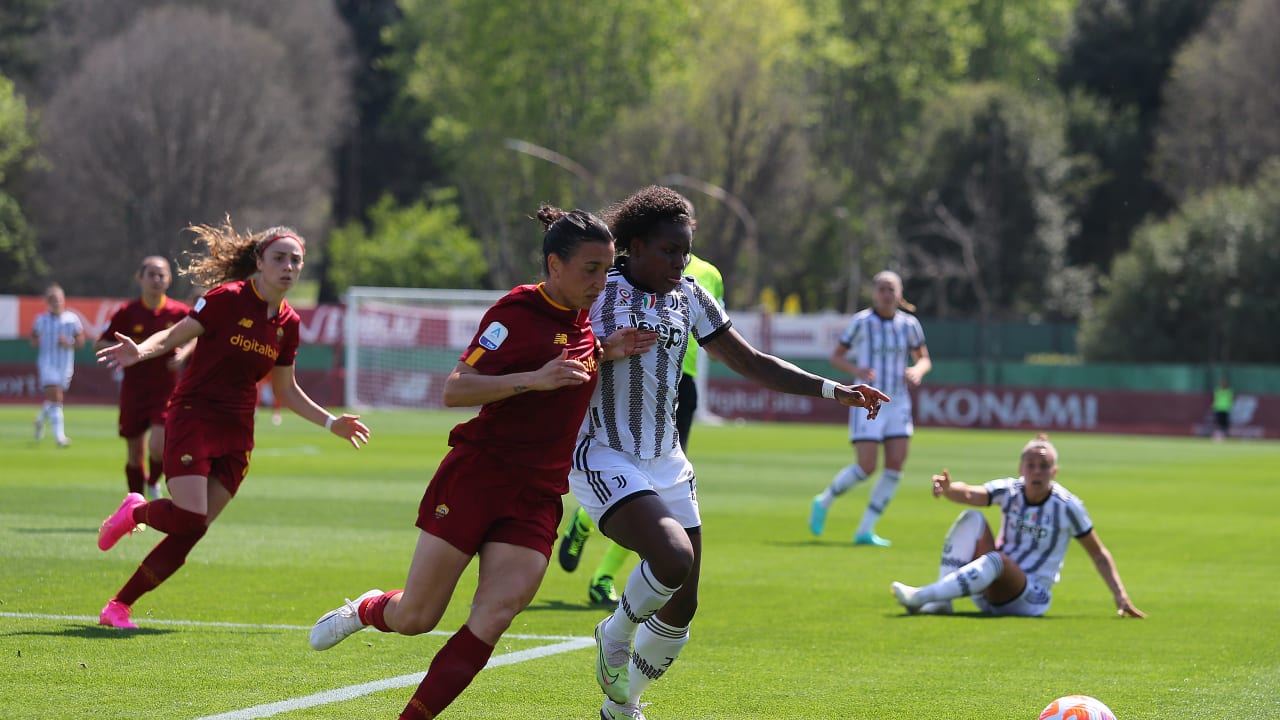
x: 328, y: 422
x: 828, y: 389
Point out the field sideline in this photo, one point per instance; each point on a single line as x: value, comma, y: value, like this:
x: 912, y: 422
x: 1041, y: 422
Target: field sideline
x: 789, y: 626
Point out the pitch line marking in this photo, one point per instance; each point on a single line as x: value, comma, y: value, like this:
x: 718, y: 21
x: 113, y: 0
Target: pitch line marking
x: 411, y: 680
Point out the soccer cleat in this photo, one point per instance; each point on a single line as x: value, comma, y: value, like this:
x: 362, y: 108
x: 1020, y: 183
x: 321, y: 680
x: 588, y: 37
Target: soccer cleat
x: 337, y: 625
x: 602, y: 591
x: 571, y: 545
x: 39, y: 429
x: 906, y: 596
x: 620, y: 711
x: 64, y: 442
x: 870, y: 539
x: 120, y: 523
x: 613, y: 680
x: 940, y: 607
x: 817, y: 516
x: 153, y: 491
x: 116, y: 615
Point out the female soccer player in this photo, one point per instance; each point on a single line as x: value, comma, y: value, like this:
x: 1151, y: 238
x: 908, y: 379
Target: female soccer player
x: 497, y: 493
x: 884, y: 345
x: 1013, y: 576
x: 55, y: 334
x: 629, y: 470
x: 247, y: 330
x: 145, y: 390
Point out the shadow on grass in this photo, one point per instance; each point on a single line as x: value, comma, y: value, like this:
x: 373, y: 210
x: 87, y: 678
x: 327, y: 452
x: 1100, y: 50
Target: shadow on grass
x: 560, y: 605
x: 93, y: 632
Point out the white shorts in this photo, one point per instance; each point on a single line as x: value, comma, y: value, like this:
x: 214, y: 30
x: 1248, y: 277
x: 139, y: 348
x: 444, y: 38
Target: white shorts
x: 1033, y: 602
x: 602, y: 477
x: 51, y: 375
x: 893, y: 421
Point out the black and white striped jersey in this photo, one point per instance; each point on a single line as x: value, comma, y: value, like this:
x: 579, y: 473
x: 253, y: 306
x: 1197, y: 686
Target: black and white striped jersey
x: 883, y: 345
x: 1036, y: 536
x: 633, y: 408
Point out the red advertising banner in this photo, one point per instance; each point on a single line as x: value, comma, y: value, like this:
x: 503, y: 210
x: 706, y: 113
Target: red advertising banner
x: 1037, y: 409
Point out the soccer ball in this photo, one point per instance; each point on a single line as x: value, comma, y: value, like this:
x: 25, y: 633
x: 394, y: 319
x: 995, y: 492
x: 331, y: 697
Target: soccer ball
x: 1077, y: 707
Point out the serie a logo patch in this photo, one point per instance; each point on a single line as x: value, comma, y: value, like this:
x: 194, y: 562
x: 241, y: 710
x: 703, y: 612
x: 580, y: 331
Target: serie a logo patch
x: 494, y: 335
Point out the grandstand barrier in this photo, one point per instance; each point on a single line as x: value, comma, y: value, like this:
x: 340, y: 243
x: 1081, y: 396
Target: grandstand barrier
x: 403, y: 356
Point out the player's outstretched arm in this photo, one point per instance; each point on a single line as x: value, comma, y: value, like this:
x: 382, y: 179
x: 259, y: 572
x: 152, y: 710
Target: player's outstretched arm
x: 284, y: 383
x: 1106, y: 566
x: 774, y: 373
x: 958, y: 492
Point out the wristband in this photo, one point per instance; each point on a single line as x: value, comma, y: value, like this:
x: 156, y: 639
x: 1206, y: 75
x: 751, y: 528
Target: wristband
x: 328, y: 422
x: 828, y: 389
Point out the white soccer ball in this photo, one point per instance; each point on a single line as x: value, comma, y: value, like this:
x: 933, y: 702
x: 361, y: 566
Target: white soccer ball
x: 1077, y: 707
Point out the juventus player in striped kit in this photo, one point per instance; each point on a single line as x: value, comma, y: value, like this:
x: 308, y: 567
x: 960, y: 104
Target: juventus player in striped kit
x: 884, y: 345
x: 629, y: 471
x: 55, y: 334
x: 1015, y: 574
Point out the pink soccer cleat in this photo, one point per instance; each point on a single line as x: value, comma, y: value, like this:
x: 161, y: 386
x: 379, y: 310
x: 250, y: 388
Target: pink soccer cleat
x: 120, y: 523
x: 116, y: 615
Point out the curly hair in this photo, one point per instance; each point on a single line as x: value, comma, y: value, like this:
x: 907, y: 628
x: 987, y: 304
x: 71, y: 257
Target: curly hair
x: 230, y: 255
x: 639, y: 215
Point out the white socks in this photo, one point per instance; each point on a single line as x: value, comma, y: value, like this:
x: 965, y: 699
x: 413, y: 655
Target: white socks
x: 957, y: 551
x: 881, y: 494
x: 970, y: 579
x: 641, y: 598
x: 848, y: 477
x: 657, y: 646
x: 55, y: 421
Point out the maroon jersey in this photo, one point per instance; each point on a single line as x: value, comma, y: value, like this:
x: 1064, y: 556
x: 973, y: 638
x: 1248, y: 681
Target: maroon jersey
x: 149, y: 378
x: 521, y: 333
x: 239, y: 346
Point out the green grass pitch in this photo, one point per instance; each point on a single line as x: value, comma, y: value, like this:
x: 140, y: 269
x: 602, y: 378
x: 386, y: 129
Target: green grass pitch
x: 789, y: 626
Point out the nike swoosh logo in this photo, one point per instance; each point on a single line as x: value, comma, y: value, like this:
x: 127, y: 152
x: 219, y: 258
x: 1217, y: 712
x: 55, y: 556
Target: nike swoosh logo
x: 610, y: 677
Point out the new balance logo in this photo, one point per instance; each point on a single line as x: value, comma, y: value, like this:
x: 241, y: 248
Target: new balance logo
x: 245, y: 323
x: 561, y: 339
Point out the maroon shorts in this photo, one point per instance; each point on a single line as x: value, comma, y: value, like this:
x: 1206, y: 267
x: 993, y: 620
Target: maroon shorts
x: 476, y: 498
x: 136, y: 416
x: 195, y: 445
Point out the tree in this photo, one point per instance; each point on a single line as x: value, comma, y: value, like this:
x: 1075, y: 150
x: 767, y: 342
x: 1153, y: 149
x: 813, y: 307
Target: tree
x: 184, y: 115
x: 20, y: 265
x: 1197, y: 287
x: 986, y: 230
x: 1120, y: 52
x: 419, y: 245
x: 1218, y: 125
x: 553, y: 73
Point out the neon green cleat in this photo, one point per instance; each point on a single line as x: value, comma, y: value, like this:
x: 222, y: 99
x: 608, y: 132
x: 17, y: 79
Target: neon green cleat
x: 613, y: 679
x: 602, y: 592
x: 571, y: 544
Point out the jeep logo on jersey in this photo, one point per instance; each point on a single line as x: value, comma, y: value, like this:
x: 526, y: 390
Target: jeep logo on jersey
x: 494, y: 335
x: 669, y: 335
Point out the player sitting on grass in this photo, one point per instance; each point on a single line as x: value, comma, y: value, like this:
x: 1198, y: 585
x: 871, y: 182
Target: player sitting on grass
x: 1015, y: 575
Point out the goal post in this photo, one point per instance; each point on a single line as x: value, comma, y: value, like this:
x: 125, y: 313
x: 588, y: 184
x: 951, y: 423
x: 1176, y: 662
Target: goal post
x: 401, y: 343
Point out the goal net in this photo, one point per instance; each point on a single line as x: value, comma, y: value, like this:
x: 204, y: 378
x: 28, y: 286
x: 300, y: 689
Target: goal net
x: 401, y: 343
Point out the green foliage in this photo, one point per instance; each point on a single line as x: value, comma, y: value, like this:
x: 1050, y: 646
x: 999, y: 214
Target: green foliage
x: 418, y: 245
x: 20, y: 263
x: 1197, y: 287
x: 789, y: 626
x: 985, y: 225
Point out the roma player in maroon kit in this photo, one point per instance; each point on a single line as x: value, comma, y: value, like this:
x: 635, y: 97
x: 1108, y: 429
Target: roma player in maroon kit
x: 145, y: 390
x: 531, y: 367
x: 246, y: 332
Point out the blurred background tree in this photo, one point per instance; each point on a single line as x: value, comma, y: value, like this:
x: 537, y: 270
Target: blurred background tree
x: 1008, y: 157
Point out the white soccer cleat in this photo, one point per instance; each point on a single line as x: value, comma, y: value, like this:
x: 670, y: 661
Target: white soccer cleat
x: 337, y: 625
x: 906, y: 596
x: 153, y: 491
x: 620, y: 711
